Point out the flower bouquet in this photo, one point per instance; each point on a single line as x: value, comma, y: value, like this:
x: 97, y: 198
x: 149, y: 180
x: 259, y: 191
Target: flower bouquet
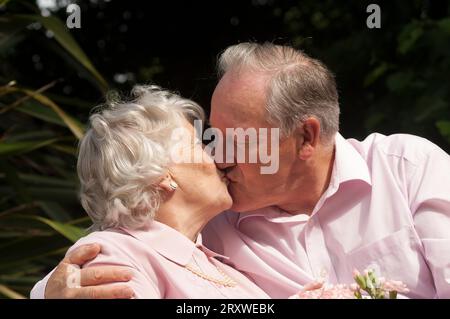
x: 366, y: 286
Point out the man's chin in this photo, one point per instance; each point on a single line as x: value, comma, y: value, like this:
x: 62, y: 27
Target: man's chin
x: 241, y: 202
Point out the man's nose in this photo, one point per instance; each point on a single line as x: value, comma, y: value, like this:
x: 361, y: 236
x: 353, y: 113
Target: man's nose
x: 224, y: 166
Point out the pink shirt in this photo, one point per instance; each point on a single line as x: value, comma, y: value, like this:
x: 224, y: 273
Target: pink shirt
x: 158, y: 256
x: 387, y: 207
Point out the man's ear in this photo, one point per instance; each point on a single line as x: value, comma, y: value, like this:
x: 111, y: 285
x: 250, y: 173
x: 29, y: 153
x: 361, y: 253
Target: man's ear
x: 308, y: 137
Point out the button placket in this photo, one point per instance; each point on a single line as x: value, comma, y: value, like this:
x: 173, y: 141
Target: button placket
x: 317, y: 252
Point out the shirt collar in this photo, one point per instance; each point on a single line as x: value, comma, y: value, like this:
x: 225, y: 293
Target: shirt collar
x: 170, y: 243
x: 348, y: 165
x: 273, y: 214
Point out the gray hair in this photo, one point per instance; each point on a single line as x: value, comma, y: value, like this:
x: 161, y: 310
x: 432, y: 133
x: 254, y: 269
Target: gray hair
x: 126, y: 152
x: 300, y: 86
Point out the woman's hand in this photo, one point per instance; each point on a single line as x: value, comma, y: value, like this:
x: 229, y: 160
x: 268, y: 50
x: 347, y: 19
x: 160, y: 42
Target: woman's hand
x: 68, y: 281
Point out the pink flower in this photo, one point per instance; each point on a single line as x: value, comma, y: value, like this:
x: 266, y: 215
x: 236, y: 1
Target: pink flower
x: 366, y: 286
x: 395, y: 285
x: 326, y: 292
x: 356, y: 273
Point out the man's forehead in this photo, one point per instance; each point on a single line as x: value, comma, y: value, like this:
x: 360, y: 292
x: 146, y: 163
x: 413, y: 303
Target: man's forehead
x: 238, y: 101
x: 225, y: 118
x: 243, y: 81
x: 227, y: 121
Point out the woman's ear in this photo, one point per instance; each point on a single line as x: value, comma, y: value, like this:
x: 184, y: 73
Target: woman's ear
x: 168, y: 184
x: 308, y: 137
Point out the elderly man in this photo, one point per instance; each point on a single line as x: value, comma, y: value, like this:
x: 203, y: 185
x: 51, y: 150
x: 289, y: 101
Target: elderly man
x: 334, y: 204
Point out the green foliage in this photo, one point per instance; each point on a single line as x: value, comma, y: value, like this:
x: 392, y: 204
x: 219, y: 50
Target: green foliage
x: 39, y: 210
x: 393, y: 79
x: 66, y: 40
x: 444, y: 129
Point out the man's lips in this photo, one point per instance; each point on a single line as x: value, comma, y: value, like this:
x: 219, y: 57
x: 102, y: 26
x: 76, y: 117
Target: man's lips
x: 229, y: 179
x: 224, y: 177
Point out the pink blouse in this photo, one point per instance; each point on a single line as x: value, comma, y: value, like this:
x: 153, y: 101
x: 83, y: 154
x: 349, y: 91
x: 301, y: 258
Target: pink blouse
x: 166, y: 264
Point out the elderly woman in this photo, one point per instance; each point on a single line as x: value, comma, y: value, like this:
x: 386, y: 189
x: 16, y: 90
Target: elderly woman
x: 147, y: 208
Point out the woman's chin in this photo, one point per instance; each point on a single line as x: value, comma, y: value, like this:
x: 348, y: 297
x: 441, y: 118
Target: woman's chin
x: 220, y: 199
x: 229, y: 202
x: 224, y: 201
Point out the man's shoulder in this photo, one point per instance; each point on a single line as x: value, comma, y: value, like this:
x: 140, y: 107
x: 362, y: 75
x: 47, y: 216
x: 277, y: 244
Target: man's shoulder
x: 409, y: 147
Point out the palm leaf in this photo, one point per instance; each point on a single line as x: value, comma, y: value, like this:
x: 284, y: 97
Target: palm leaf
x: 66, y: 40
x: 72, y: 124
x: 16, y: 148
x: 72, y: 233
x: 8, y: 292
x: 76, y: 127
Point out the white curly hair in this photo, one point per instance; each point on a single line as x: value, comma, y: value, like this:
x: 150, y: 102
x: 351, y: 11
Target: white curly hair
x: 125, y: 153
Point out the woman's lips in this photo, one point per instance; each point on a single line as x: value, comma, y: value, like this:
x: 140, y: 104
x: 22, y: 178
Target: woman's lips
x: 230, y: 179
x: 225, y: 179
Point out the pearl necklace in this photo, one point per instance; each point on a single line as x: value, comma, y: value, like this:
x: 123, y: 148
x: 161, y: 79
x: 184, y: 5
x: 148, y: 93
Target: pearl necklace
x: 228, y: 282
